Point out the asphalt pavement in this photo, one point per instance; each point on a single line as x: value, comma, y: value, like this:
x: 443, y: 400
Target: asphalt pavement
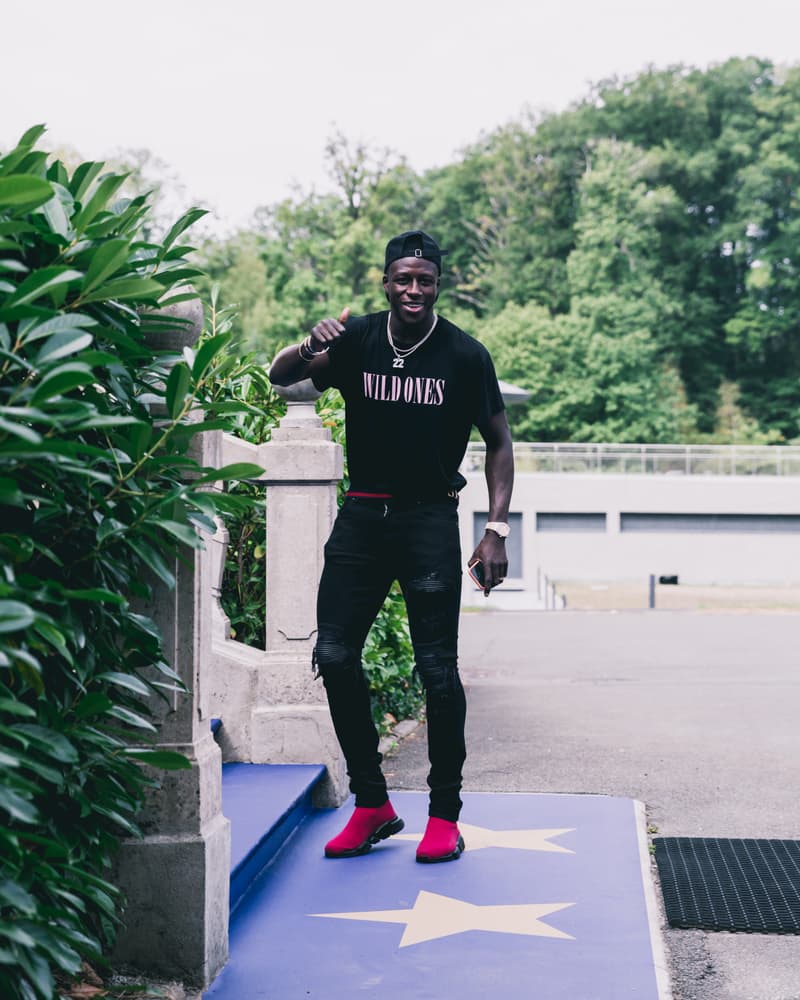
x: 693, y: 714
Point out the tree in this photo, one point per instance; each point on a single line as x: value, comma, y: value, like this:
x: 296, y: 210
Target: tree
x: 764, y: 331
x: 585, y: 385
x: 663, y: 207
x: 314, y: 254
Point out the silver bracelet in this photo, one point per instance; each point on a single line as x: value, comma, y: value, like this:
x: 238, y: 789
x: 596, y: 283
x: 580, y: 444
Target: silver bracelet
x: 306, y: 344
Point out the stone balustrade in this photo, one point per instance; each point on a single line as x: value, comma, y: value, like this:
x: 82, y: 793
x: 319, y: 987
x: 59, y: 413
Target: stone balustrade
x: 272, y: 708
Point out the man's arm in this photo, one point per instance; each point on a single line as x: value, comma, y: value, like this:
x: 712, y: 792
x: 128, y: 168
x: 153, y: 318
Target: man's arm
x: 301, y: 361
x: 499, y: 470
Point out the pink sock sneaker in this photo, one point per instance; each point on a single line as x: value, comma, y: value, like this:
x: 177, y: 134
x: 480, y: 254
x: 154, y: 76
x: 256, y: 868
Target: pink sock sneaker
x: 364, y: 828
x: 442, y: 842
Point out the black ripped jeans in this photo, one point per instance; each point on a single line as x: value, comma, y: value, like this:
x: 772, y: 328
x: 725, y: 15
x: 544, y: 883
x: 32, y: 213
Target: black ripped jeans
x: 373, y: 543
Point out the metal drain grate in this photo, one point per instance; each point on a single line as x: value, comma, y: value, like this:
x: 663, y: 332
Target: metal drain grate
x: 731, y: 885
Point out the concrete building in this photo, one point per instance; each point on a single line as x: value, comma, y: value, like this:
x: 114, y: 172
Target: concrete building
x: 708, y: 515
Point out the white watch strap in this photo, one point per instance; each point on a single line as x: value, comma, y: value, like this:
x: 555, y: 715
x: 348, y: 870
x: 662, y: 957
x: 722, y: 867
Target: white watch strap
x: 500, y: 527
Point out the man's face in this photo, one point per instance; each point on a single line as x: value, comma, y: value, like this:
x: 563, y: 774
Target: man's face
x: 412, y: 288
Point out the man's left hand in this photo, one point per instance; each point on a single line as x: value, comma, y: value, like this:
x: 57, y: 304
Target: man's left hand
x: 492, y: 553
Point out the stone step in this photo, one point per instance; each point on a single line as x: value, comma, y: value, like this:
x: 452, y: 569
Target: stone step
x: 265, y: 804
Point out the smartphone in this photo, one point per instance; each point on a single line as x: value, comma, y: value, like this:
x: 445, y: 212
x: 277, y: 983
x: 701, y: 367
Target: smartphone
x: 475, y: 570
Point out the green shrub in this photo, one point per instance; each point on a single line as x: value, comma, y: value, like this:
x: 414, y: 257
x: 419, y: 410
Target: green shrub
x: 244, y: 578
x: 95, y: 499
x: 389, y: 663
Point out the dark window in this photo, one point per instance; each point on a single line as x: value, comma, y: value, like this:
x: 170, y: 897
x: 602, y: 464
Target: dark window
x: 513, y: 542
x: 571, y: 522
x: 707, y: 523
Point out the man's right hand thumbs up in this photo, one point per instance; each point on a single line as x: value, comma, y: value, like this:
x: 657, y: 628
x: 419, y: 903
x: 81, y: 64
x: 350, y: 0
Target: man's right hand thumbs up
x: 328, y: 330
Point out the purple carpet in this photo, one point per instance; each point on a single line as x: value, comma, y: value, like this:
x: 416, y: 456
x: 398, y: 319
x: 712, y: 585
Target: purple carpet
x: 547, y: 902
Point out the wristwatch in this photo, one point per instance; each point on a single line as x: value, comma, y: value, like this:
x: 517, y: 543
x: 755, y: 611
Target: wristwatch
x: 499, y: 528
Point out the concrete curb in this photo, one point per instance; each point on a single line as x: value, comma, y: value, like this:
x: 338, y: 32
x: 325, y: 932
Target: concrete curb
x: 652, y: 905
x: 399, y: 732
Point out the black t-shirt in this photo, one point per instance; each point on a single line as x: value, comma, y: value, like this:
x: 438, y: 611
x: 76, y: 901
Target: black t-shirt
x: 407, y: 428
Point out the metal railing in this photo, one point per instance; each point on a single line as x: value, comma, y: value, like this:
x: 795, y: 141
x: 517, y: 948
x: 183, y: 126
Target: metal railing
x: 647, y: 459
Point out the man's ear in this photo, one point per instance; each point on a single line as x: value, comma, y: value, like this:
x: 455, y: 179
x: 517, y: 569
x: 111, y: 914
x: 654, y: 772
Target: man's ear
x: 385, y: 286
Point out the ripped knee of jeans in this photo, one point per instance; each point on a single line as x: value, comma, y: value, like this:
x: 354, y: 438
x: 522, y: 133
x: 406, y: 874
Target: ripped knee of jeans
x: 439, y: 674
x: 332, y: 656
x: 430, y: 583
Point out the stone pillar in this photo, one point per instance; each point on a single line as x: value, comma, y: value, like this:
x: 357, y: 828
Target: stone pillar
x: 290, y: 721
x: 176, y: 879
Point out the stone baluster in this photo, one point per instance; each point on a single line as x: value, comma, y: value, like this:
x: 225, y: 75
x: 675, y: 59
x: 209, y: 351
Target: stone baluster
x: 176, y: 878
x: 291, y: 722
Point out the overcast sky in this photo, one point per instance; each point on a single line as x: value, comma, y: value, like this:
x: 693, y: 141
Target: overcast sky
x: 238, y: 97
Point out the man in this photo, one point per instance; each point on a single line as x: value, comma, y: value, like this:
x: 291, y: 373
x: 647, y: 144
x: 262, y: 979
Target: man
x: 414, y: 385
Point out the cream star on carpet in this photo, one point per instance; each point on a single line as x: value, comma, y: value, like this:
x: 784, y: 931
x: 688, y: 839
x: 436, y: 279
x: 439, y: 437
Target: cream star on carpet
x: 434, y: 916
x: 477, y: 837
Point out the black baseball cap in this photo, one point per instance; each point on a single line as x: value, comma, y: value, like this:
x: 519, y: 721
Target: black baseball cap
x: 414, y: 244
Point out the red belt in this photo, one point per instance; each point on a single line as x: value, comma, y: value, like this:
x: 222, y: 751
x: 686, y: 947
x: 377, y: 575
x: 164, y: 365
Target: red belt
x: 372, y: 496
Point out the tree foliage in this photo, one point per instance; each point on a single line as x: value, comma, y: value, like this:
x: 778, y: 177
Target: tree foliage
x: 659, y: 214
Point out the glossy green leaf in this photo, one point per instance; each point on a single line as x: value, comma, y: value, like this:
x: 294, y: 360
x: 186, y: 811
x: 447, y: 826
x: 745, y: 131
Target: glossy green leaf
x: 62, y: 323
x: 237, y: 471
x: 13, y: 932
x: 15, y: 616
x: 206, y: 352
x: 166, y: 760
x: 124, y: 289
x: 17, y: 192
x: 99, y: 594
x: 18, y: 807
x: 61, y: 345
x: 54, y: 637
x: 105, y: 261
x: 55, y: 744
x: 177, y: 387
x: 128, y: 681
x: 12, y: 894
x: 139, y: 437
x: 153, y: 560
x: 17, y: 228
x: 13, y: 265
x: 40, y: 282
x: 95, y: 703
x: 20, y: 431
x: 84, y: 176
x: 175, y: 297
x: 98, y: 201
x: 131, y: 718
x: 145, y: 624
x: 62, y: 380
x: 52, y: 775
x: 116, y: 817
x: 29, y: 669
x: 16, y: 708
x: 186, y: 220
x: 60, y: 953
x: 38, y: 971
x: 184, y: 533
x: 56, y: 215
x: 31, y: 136
x: 102, y: 420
